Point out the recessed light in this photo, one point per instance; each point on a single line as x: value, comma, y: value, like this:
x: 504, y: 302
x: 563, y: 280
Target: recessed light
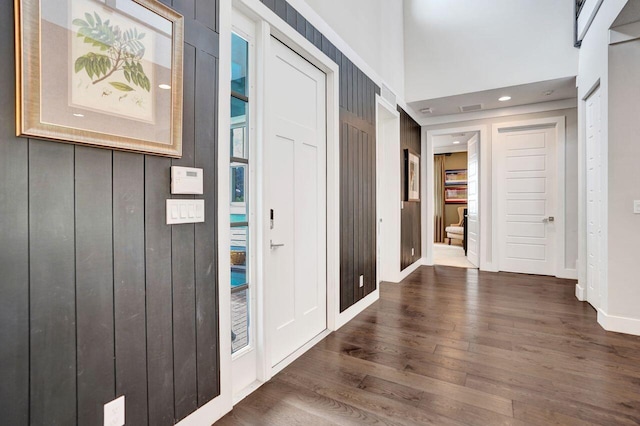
x: 456, y: 142
x: 78, y: 115
x: 164, y: 86
x: 504, y: 98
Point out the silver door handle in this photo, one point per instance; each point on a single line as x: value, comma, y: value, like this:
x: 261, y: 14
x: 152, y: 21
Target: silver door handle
x: 274, y: 245
x: 549, y: 219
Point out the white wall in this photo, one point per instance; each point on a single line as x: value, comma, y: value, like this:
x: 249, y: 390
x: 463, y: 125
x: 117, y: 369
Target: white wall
x: 624, y: 180
x: 571, y: 173
x: 459, y: 46
x: 619, y: 290
x: 374, y: 29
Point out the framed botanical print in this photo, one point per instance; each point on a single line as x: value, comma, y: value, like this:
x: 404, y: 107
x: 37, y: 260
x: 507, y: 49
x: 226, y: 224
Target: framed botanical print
x: 412, y: 176
x: 106, y: 73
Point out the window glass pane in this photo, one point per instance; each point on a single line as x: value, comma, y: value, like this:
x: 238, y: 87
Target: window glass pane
x: 239, y: 320
x: 238, y: 191
x: 239, y: 134
x: 239, y: 237
x: 239, y: 59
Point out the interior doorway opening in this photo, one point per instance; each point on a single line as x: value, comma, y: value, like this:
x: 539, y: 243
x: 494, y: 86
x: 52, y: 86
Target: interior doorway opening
x: 455, y: 199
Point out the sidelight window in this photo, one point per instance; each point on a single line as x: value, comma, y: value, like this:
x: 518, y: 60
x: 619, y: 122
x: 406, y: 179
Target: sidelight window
x: 239, y: 195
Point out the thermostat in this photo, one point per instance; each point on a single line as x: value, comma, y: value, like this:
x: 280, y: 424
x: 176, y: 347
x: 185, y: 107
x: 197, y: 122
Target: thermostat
x: 186, y: 180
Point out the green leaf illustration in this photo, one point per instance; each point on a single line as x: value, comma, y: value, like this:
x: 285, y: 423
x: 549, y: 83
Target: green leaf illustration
x: 121, y: 86
x: 115, y: 50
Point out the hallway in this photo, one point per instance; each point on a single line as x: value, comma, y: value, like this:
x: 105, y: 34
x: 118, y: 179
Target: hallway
x: 455, y: 346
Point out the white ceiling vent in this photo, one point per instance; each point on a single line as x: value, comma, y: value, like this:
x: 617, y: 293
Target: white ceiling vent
x: 469, y: 108
x: 426, y: 110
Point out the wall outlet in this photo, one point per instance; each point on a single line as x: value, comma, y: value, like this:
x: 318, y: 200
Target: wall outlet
x: 114, y: 412
x: 361, y: 280
x: 636, y: 206
x: 413, y: 251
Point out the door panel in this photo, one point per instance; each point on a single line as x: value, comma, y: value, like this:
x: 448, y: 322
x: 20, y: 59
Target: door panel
x: 473, y: 225
x: 295, y: 190
x: 527, y: 191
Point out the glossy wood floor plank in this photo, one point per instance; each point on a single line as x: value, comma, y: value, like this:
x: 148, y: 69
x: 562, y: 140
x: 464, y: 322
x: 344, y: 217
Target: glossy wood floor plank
x: 454, y: 346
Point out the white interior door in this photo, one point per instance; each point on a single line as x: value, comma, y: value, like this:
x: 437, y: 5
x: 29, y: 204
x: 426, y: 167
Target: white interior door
x: 295, y: 191
x: 594, y: 197
x: 473, y: 226
x: 527, y: 187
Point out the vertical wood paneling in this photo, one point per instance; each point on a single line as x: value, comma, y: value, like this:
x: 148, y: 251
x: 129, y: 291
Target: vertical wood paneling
x: 410, y: 215
x: 94, y: 282
x: 14, y: 245
x: 205, y: 253
x: 206, y: 13
x: 183, y: 261
x: 14, y: 264
x: 129, y: 284
x: 52, y: 284
x: 86, y: 296
x: 159, y: 297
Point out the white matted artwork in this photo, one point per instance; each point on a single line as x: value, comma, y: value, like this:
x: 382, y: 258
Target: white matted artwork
x: 101, y: 72
x: 412, y: 178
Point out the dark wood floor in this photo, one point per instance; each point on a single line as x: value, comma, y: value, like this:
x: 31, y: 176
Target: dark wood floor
x: 453, y: 346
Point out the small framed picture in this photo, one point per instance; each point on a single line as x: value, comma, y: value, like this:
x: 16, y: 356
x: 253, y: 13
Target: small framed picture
x: 104, y: 73
x: 412, y: 175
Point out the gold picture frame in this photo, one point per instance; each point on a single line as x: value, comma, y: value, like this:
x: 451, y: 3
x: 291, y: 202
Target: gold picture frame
x: 105, y: 73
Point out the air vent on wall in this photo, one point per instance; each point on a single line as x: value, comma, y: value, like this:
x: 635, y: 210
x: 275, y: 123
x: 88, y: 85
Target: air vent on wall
x: 469, y: 108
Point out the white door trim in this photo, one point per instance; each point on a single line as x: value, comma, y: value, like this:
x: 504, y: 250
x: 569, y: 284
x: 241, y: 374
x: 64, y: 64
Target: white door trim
x: 267, y: 24
x: 560, y: 270
x: 428, y: 192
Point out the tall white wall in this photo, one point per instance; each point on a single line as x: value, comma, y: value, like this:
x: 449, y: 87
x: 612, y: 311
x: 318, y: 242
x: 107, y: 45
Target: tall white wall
x: 374, y: 30
x: 459, y: 46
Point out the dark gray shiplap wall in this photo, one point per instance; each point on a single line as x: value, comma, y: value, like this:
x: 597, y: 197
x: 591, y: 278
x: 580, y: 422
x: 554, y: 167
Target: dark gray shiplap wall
x: 357, y: 162
x: 410, y: 233
x: 98, y: 296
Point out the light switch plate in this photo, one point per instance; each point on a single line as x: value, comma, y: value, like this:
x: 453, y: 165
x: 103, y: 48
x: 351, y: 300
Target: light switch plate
x: 636, y: 206
x: 361, y: 280
x: 185, y: 211
x: 114, y: 412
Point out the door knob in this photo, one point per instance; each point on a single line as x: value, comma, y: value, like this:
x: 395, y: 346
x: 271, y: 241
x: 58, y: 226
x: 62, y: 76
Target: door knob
x: 274, y: 245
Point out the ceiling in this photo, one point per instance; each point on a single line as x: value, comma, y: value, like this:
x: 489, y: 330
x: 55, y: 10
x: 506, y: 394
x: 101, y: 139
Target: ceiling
x: 445, y: 143
x: 533, y: 93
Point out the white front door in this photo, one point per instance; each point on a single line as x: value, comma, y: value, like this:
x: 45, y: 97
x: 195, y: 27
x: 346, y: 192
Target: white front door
x: 473, y: 226
x: 527, y: 191
x: 594, y: 197
x: 295, y: 202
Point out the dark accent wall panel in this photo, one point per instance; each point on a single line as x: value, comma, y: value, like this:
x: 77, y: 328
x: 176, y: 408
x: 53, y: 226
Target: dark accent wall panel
x: 14, y: 245
x: 98, y: 296
x: 357, y: 162
x: 94, y: 282
x: 411, y: 236
x: 52, y: 305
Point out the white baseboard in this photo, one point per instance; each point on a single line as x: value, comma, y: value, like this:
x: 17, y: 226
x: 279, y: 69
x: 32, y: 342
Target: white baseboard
x: 568, y: 274
x: 619, y: 324
x: 246, y: 391
x: 351, y: 312
x: 580, y: 293
x: 410, y: 269
x: 288, y: 360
